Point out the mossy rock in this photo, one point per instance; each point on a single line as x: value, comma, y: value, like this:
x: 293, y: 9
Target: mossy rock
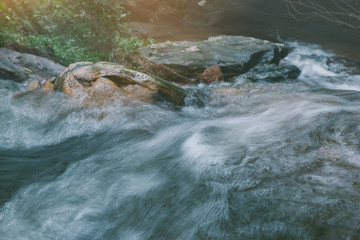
x: 106, y: 80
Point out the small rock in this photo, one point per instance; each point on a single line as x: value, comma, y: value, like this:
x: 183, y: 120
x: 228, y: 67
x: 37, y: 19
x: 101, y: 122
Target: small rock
x: 212, y: 74
x: 227, y: 92
x: 226, y: 95
x: 33, y: 84
x: 49, y: 85
x: 272, y: 73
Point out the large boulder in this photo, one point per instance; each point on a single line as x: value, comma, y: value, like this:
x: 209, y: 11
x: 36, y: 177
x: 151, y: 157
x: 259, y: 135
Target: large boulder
x: 183, y: 62
x: 104, y: 81
x: 22, y: 66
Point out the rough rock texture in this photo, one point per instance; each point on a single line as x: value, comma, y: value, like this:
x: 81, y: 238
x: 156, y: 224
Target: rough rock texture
x: 212, y: 74
x: 21, y: 66
x: 183, y: 61
x: 102, y: 81
x: 49, y: 85
x: 272, y: 73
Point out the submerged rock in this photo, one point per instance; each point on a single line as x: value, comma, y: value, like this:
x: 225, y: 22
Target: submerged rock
x: 184, y: 61
x: 22, y: 66
x: 272, y: 73
x: 223, y: 96
x: 101, y: 82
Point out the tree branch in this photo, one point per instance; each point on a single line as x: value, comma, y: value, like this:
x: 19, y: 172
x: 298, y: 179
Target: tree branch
x: 340, y: 12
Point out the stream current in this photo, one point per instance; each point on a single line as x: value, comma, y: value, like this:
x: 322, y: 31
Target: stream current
x: 266, y: 161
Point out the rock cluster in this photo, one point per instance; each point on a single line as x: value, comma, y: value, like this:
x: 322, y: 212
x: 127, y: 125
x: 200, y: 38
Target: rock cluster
x: 221, y: 58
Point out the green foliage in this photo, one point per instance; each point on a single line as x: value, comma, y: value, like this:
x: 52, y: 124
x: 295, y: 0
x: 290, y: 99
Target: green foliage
x: 125, y: 46
x: 80, y: 30
x: 64, y: 48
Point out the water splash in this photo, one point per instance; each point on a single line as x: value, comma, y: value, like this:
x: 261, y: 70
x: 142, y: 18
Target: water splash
x: 321, y: 68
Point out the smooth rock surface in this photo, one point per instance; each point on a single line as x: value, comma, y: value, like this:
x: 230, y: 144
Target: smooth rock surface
x: 22, y: 66
x: 103, y: 81
x: 183, y: 61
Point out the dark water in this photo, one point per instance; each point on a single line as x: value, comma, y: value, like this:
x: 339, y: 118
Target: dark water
x: 272, y: 161
x: 264, y: 19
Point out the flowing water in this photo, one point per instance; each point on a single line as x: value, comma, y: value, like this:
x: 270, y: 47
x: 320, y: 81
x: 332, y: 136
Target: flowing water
x: 263, y: 161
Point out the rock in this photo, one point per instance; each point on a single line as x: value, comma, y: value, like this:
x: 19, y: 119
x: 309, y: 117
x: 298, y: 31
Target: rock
x: 340, y: 64
x: 182, y: 61
x: 100, y: 95
x: 21, y: 66
x: 33, y: 84
x: 231, y: 95
x: 222, y: 95
x: 272, y: 73
x: 104, y: 81
x: 49, y: 85
x: 11, y: 71
x: 212, y: 74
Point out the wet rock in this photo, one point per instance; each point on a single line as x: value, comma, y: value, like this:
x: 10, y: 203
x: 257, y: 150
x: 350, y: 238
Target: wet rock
x: 33, y: 84
x: 105, y: 93
x: 272, y: 73
x: 223, y: 96
x: 225, y: 92
x: 49, y: 85
x: 11, y: 71
x: 183, y: 61
x: 102, y: 82
x: 212, y: 74
x: 22, y: 66
x: 232, y: 95
x: 340, y: 64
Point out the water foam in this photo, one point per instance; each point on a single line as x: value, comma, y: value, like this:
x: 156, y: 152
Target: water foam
x: 319, y: 67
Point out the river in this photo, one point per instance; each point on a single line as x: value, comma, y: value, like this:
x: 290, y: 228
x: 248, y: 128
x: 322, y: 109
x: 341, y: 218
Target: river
x: 267, y: 161
x: 274, y: 161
